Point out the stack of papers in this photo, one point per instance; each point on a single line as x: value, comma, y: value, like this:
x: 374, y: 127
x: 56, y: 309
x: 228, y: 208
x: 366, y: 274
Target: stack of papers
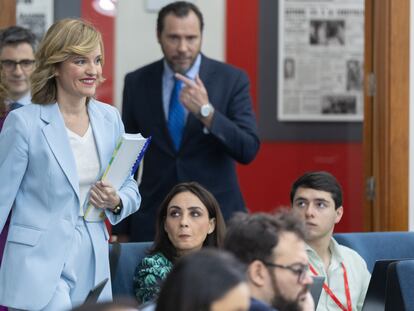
x: 124, y: 162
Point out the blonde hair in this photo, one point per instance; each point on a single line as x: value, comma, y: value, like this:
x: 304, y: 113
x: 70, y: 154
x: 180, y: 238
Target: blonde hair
x: 65, y: 38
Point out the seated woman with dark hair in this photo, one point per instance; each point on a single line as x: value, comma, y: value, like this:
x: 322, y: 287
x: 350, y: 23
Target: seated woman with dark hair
x: 188, y: 219
x: 208, y: 280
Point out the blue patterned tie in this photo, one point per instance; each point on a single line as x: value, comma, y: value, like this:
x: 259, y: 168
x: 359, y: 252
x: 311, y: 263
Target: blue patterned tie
x: 176, y: 115
x: 14, y: 105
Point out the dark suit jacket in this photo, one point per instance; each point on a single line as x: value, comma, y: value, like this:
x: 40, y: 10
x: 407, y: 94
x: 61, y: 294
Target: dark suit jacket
x: 257, y: 305
x: 207, y: 158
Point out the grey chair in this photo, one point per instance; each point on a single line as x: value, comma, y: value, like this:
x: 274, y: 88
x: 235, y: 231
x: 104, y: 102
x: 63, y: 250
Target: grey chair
x: 123, y: 258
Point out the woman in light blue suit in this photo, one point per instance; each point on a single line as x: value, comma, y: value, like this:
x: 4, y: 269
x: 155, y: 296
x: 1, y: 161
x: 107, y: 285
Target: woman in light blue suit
x: 52, y: 154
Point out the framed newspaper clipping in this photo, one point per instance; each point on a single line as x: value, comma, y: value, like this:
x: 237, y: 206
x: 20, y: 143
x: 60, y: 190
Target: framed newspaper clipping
x: 320, y: 60
x: 36, y: 15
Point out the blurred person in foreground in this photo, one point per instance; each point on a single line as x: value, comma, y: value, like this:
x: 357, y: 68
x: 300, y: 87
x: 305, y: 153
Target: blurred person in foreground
x: 123, y: 304
x: 207, y: 280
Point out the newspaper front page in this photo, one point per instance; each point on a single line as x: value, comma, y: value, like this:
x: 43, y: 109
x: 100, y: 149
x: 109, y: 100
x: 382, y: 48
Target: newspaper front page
x: 321, y: 50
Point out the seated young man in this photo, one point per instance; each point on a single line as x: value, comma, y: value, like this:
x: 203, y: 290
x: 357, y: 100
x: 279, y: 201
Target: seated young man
x: 318, y: 197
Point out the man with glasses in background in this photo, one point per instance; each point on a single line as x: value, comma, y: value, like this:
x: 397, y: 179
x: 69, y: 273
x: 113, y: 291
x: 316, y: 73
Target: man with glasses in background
x: 273, y: 249
x: 17, y: 47
x: 317, y: 196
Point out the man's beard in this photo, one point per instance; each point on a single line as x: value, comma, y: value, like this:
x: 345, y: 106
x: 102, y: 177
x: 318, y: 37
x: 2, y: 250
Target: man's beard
x: 281, y: 303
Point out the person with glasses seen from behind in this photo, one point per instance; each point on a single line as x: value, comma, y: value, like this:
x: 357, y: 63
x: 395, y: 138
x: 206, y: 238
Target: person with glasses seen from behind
x: 17, y: 48
x: 273, y: 248
x: 317, y: 196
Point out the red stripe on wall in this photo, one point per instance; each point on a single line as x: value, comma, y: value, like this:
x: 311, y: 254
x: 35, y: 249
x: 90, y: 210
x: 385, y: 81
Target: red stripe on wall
x: 242, y: 38
x: 105, y: 24
x: 266, y: 182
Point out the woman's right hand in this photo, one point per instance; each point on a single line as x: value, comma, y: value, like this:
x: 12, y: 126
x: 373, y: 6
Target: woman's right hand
x: 103, y: 195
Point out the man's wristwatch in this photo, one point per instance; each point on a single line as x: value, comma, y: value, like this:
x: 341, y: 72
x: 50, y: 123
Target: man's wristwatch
x: 206, y: 110
x: 117, y: 209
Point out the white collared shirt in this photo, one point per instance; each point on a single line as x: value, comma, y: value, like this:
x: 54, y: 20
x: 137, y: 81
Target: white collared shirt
x: 357, y: 272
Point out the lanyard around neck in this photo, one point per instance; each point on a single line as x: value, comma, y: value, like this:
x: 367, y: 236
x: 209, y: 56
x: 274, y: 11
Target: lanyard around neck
x: 332, y: 295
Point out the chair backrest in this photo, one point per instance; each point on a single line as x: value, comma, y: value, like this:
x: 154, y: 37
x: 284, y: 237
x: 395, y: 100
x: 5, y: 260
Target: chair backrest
x: 373, y: 246
x: 124, y: 258
x: 400, y: 286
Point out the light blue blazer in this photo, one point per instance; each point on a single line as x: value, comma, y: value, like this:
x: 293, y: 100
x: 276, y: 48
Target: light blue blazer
x: 39, y: 182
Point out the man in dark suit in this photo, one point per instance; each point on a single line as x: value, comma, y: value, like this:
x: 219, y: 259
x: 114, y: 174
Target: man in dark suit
x: 17, y: 49
x: 199, y: 114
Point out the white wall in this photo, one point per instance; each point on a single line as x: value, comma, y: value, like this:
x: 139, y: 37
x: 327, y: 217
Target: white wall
x: 136, y: 42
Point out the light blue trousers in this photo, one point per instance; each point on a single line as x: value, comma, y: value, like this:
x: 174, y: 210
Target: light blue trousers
x: 78, y: 274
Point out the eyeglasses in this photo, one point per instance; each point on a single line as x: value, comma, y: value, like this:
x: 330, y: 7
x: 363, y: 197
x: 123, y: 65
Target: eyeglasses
x: 10, y: 65
x: 300, y: 270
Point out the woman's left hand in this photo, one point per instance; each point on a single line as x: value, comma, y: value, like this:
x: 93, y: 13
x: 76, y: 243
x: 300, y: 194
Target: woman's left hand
x: 103, y: 195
